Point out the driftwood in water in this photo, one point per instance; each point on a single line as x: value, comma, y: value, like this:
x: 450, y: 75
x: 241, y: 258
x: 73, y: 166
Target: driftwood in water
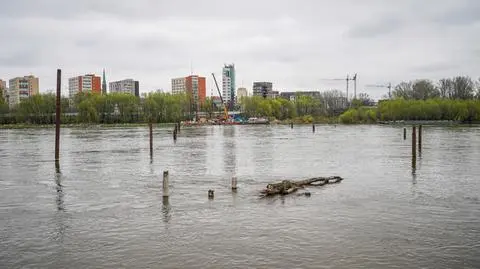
x: 286, y: 187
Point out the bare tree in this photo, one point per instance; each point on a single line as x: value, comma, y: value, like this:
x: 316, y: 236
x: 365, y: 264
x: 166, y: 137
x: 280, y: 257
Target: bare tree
x: 421, y: 89
x: 445, y: 86
x: 403, y: 90
x: 478, y: 89
x: 334, y: 101
x: 365, y: 99
x: 424, y: 89
x: 463, y: 87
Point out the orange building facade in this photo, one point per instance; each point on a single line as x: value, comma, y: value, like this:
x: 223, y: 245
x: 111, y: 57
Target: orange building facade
x: 87, y: 83
x: 96, y: 84
x: 195, y: 86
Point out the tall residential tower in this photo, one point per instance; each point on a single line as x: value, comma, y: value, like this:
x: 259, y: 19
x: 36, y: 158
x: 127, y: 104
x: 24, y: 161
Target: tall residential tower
x: 228, y: 85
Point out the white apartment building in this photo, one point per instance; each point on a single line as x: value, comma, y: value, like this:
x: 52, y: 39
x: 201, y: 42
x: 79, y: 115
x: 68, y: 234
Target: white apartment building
x: 179, y: 85
x: 228, y: 84
x: 125, y: 86
x: 22, y: 88
x: 87, y: 83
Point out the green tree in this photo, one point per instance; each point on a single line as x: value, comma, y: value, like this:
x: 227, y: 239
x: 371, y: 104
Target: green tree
x: 307, y: 105
x: 165, y: 107
x: 2, y: 100
x: 3, y: 103
x: 87, y: 112
x: 207, y: 107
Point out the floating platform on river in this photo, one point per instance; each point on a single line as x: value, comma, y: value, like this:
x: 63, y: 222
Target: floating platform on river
x: 250, y: 121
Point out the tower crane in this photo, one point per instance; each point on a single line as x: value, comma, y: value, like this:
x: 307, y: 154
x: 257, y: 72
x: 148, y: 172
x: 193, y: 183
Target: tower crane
x: 347, y: 79
x: 354, y: 86
x: 225, y: 111
x: 388, y: 86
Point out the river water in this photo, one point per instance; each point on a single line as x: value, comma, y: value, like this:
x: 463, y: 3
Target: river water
x: 105, y: 207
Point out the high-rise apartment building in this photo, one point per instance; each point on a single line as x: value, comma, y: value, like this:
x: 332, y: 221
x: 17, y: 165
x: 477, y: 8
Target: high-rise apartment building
x: 197, y: 88
x: 194, y: 86
x: 87, y: 83
x: 263, y: 89
x: 228, y: 85
x: 125, y: 86
x: 22, y: 88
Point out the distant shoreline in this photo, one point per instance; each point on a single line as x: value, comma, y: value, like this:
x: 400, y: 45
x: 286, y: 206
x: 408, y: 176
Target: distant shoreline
x: 132, y: 125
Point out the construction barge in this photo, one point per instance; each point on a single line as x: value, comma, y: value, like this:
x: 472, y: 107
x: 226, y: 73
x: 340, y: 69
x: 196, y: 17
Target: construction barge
x: 250, y: 121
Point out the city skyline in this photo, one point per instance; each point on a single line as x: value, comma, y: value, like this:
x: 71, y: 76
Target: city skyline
x: 295, y: 48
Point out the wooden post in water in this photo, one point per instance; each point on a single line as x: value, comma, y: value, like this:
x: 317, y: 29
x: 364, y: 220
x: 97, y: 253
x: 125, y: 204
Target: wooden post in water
x: 414, y: 141
x: 175, y: 134
x: 234, y: 183
x: 404, y: 133
x: 165, y: 184
x: 313, y: 128
x: 57, y: 115
x: 291, y: 125
x: 420, y: 138
x: 414, y: 150
x: 210, y: 194
x: 150, y: 127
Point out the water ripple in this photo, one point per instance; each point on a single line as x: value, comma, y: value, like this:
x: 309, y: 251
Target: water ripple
x: 106, y: 208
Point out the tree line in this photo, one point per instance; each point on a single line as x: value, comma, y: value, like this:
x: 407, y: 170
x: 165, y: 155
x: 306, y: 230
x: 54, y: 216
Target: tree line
x: 450, y: 99
x: 98, y: 108
x: 430, y: 109
x: 165, y: 107
x: 453, y: 99
x: 460, y: 87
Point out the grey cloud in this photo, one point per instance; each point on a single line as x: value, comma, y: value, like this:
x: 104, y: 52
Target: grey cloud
x: 430, y: 68
x: 141, y: 9
x: 463, y: 13
x: 291, y: 43
x: 376, y: 28
x: 21, y: 58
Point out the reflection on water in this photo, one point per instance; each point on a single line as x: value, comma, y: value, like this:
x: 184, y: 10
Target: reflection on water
x: 414, y: 169
x: 59, y: 201
x: 166, y: 209
x: 229, y: 150
x: 59, y: 189
x: 263, y: 149
x: 103, y: 208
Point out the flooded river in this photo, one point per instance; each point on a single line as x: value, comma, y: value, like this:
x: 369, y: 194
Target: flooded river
x: 105, y: 208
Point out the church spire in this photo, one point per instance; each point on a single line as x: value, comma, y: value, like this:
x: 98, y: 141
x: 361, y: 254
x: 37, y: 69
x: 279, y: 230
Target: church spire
x: 104, y: 83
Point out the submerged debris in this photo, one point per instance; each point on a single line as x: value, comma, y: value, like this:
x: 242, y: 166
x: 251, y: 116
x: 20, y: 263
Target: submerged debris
x: 286, y: 186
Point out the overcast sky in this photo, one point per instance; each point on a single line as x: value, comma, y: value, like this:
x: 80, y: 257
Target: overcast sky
x: 294, y: 44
